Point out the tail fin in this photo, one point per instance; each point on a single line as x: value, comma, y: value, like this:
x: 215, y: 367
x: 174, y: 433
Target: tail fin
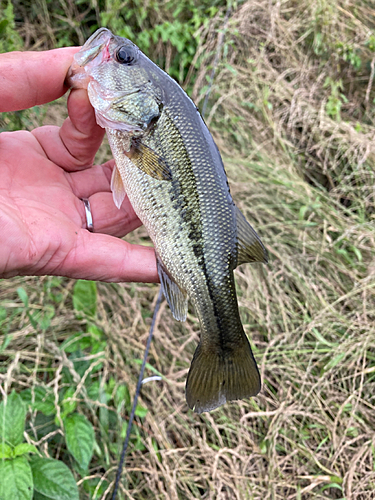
x: 217, y: 376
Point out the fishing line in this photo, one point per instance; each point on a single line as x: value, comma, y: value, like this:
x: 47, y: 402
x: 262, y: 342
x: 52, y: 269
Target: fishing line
x: 160, y: 295
x: 137, y: 392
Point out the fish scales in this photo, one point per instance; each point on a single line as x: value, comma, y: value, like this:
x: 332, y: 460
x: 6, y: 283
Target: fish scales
x: 195, y: 259
x: 171, y: 170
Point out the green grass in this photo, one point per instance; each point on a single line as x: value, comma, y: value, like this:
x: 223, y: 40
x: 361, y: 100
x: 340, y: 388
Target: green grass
x: 292, y: 111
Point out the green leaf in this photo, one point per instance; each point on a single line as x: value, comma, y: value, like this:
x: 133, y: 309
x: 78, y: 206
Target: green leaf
x: 149, y: 367
x: 140, y: 411
x: 122, y: 397
x: 5, y: 451
x: 23, y: 449
x: 331, y: 485
x: 320, y: 337
x: 46, y: 316
x: 84, y: 297
x: 7, y: 339
x: 96, y: 487
x: 12, y: 419
x: 90, y: 340
x: 39, y: 496
x: 358, y: 253
x: 53, y: 480
x: 3, y: 24
x: 69, y: 405
x: 16, y: 481
x: 79, y: 435
x: 336, y: 479
x: 335, y: 361
x: 21, y: 292
x: 39, y: 399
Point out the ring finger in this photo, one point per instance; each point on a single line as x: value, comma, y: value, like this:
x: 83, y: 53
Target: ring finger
x: 106, y: 217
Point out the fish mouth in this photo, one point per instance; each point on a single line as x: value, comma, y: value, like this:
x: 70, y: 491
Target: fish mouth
x: 94, y: 52
x: 96, y: 45
x: 97, y: 51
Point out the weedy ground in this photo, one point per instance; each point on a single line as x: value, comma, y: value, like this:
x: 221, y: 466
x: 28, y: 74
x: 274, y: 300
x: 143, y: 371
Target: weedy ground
x: 292, y: 109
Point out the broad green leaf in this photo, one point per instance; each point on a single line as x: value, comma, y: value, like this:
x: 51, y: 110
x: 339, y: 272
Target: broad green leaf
x: 12, y: 419
x: 84, y: 297
x: 23, y: 449
x: 5, y: 451
x: 53, y: 480
x: 79, y: 435
x: 39, y: 399
x: 16, y: 481
x: 39, y: 496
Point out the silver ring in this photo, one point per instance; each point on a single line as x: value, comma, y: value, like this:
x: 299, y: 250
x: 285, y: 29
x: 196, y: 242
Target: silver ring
x: 89, y: 223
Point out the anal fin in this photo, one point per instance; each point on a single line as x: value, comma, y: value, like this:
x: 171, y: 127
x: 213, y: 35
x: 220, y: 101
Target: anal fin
x: 177, y: 299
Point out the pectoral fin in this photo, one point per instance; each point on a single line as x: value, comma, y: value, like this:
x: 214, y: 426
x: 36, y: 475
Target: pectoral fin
x: 176, y: 298
x: 249, y: 246
x: 117, y: 187
x: 150, y: 162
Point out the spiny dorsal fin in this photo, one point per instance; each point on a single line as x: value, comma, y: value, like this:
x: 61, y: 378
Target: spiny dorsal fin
x: 176, y: 298
x: 117, y: 187
x: 249, y: 246
x: 150, y: 162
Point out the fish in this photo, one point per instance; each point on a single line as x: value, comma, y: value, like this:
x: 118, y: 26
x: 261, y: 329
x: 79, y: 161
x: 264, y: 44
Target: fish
x: 169, y: 166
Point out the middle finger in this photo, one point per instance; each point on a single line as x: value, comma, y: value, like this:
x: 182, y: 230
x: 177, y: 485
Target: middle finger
x: 85, y: 183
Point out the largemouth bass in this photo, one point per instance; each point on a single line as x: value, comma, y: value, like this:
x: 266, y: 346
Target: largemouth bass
x: 170, y: 168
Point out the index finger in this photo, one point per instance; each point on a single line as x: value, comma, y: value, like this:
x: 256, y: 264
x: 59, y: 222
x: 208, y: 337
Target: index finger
x: 31, y: 78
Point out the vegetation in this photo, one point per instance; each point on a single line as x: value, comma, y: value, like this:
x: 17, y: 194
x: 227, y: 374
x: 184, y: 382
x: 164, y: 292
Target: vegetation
x: 292, y: 111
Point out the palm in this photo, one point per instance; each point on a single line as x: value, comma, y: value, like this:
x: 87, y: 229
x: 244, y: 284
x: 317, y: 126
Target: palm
x: 44, y: 174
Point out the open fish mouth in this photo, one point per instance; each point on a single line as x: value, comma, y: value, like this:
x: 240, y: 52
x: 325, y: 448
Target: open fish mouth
x: 97, y: 50
x: 93, y: 53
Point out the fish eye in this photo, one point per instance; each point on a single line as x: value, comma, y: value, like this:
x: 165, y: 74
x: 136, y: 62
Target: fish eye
x: 125, y: 55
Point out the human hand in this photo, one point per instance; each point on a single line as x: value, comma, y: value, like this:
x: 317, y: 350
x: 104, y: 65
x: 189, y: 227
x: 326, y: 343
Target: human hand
x: 45, y: 173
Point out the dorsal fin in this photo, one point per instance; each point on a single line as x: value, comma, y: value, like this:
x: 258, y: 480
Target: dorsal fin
x: 249, y: 246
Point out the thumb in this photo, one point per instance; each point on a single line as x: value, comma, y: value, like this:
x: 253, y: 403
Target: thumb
x: 80, y: 133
